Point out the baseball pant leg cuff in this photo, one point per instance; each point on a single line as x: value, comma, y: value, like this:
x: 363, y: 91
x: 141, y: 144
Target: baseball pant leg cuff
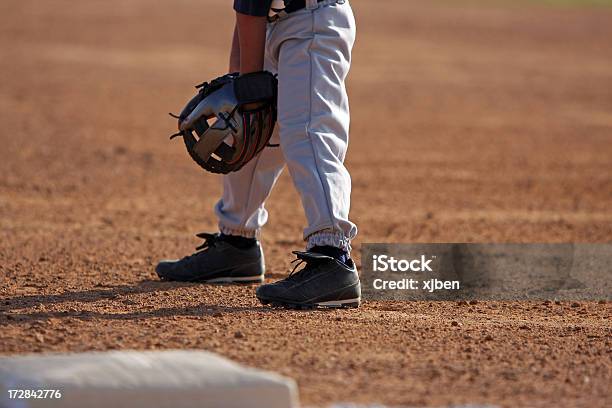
x: 328, y: 238
x: 243, y: 232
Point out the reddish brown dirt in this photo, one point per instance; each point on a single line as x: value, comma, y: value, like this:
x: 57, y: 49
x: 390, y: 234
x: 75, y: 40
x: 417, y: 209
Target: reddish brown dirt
x: 479, y: 123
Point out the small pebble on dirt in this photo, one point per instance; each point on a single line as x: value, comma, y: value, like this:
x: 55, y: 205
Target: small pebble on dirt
x: 238, y: 335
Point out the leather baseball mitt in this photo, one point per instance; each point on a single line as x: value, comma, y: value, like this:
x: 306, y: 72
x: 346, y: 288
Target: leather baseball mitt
x: 233, y: 117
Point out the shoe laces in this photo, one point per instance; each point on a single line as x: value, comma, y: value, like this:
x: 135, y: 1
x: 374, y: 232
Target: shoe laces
x: 209, y: 240
x: 310, y: 266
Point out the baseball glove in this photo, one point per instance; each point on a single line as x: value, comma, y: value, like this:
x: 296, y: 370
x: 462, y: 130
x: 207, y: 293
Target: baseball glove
x: 233, y: 117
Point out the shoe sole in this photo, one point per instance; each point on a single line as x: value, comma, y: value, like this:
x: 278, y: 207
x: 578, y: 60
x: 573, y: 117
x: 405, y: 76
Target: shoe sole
x: 242, y: 279
x: 332, y: 304
x: 220, y: 280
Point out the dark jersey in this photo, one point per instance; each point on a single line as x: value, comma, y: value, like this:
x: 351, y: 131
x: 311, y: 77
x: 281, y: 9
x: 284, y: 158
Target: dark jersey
x: 258, y: 8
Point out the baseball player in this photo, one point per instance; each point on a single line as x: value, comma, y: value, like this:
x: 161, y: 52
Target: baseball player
x: 307, y: 45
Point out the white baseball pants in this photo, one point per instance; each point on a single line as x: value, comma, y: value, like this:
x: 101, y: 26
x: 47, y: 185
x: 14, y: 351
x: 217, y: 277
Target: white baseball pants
x: 310, y: 50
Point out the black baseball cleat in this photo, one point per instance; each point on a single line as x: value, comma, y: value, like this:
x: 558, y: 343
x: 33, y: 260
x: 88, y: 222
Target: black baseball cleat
x: 216, y: 261
x: 323, y: 282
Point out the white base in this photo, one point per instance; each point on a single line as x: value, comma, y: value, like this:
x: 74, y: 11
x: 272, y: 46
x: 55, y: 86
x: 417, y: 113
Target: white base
x: 174, y: 378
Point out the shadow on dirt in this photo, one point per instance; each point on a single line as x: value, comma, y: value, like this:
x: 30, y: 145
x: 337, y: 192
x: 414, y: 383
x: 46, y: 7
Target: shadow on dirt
x: 197, y: 311
x: 115, y: 293
x: 90, y: 295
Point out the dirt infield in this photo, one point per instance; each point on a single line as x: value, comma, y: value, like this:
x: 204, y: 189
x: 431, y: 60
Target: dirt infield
x: 483, y: 123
